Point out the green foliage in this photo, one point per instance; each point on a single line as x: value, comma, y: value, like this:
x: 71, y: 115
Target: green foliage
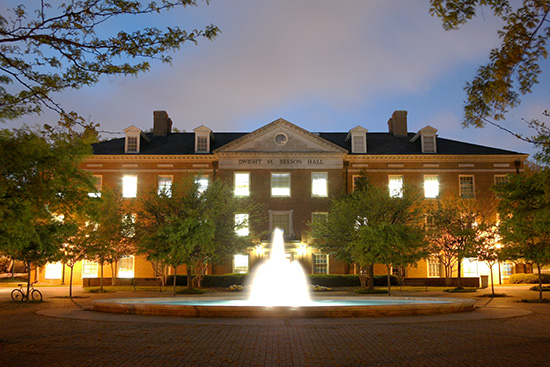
x: 371, y: 291
x: 41, y: 189
x: 522, y: 278
x: 369, y: 226
x: 460, y: 228
x: 186, y: 226
x: 513, y: 67
x: 190, y: 291
x: 525, y: 217
x: 47, y: 49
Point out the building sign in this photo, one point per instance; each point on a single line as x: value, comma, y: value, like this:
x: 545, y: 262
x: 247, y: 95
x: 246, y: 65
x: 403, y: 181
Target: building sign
x: 282, y: 162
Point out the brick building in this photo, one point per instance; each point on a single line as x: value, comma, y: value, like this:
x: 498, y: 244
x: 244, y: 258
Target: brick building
x: 295, y: 173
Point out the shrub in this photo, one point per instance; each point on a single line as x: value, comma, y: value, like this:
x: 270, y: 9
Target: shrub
x: 348, y: 280
x: 528, y: 278
x: 371, y: 291
x: 190, y: 291
x: 211, y: 281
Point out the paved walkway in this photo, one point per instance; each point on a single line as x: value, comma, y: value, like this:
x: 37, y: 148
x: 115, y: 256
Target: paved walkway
x: 58, y: 332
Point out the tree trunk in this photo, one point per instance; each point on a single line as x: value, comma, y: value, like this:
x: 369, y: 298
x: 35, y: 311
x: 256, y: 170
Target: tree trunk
x: 459, y: 283
x: 362, y: 277
x: 101, y: 279
x: 29, y: 280
x: 71, y: 284
x: 114, y: 267
x: 492, y: 281
x: 175, y: 280
x: 389, y: 280
x: 540, y: 282
x: 370, y: 268
x: 189, y: 277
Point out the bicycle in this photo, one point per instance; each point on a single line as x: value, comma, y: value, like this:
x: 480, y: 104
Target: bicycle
x: 19, y: 294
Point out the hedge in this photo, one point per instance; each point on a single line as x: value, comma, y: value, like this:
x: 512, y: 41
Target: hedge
x: 325, y: 280
x: 522, y: 278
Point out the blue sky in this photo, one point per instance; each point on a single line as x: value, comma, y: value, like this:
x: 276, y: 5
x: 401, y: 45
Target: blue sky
x: 322, y: 65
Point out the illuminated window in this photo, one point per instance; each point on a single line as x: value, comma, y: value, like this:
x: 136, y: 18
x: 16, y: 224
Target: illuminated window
x: 242, y: 184
x: 98, y: 181
x: 319, y: 184
x: 431, y: 187
x: 54, y: 270
x: 240, y: 264
x: 466, y: 187
x: 506, y: 269
x: 202, y: 183
x: 280, y: 184
x: 165, y: 185
x: 126, y: 267
x: 281, y: 220
x: 434, y: 267
x: 318, y: 217
x: 396, y: 186
x: 241, y: 224
x: 320, y: 264
x: 89, y: 269
x: 129, y: 186
x: 132, y: 144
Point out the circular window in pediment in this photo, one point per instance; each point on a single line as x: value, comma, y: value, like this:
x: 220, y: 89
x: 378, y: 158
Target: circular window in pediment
x: 281, y: 139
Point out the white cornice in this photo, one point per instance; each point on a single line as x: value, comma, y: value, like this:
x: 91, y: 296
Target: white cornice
x: 435, y: 157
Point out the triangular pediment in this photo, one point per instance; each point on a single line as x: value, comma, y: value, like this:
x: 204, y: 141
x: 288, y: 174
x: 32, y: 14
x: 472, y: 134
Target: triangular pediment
x: 281, y: 136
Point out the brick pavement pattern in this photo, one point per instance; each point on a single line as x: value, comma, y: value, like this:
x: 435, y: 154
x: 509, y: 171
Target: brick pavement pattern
x: 29, y: 339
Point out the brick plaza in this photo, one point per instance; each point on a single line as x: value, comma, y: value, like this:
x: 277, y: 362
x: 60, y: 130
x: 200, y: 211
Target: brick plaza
x: 59, y: 332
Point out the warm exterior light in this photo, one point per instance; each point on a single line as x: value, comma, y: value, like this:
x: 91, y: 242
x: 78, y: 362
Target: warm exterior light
x: 302, y: 250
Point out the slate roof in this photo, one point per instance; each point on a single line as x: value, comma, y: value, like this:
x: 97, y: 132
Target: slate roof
x: 377, y: 144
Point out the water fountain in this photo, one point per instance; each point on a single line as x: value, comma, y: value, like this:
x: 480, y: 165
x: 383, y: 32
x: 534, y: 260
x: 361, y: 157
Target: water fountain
x: 279, y: 282
x: 279, y: 289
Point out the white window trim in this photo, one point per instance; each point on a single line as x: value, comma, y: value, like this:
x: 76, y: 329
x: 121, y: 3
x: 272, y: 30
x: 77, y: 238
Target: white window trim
x: 289, y: 184
x: 235, y: 183
x: 326, y: 188
x: 473, y: 186
x: 438, y: 187
x: 400, y: 194
x: 290, y: 220
x: 313, y: 263
x: 129, y: 273
x: 169, y: 192
x: 136, y: 187
x: 245, y: 227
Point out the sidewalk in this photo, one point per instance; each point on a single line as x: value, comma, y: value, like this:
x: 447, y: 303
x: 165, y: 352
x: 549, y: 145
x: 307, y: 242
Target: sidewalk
x: 503, y: 332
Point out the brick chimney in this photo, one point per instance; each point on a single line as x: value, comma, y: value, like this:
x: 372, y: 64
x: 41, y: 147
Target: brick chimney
x: 162, y: 124
x: 397, y: 124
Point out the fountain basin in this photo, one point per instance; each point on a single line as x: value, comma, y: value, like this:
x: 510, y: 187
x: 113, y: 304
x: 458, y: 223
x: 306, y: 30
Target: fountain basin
x: 321, y: 308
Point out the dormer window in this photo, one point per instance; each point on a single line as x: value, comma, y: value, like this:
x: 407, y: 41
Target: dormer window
x: 132, y: 142
x: 428, y: 139
x: 202, y: 144
x: 202, y: 139
x: 358, y: 136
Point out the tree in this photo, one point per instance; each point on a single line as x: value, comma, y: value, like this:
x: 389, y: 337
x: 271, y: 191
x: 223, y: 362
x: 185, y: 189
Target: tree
x: 487, y: 249
x: 46, y: 49
x: 513, y: 68
x: 41, y: 184
x: 186, y: 226
x: 455, y: 226
x: 369, y: 226
x: 110, y: 234
x: 524, y: 212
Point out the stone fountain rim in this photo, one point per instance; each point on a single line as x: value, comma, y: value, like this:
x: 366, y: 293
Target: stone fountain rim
x: 422, y: 306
